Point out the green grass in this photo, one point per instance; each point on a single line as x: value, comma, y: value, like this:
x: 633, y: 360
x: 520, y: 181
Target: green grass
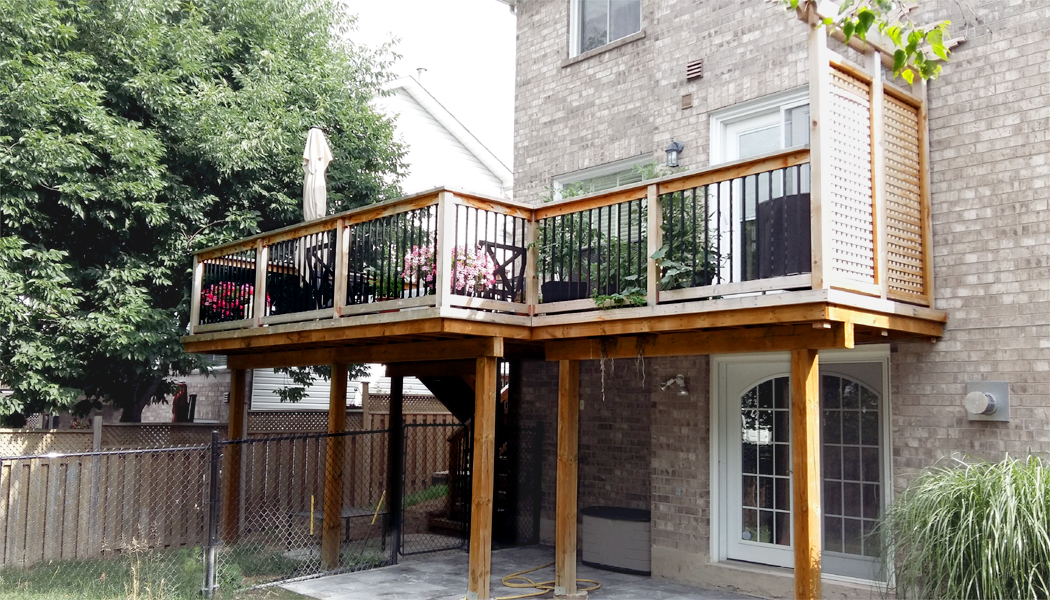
x: 972, y: 530
x: 430, y: 493
x: 156, y: 575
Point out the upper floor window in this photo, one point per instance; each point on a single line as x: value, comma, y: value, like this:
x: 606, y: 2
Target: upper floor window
x: 599, y: 22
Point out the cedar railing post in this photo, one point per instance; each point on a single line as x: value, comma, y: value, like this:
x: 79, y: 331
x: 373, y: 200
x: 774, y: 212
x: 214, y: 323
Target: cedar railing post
x: 195, y: 297
x: 262, y: 252
x: 820, y: 186
x: 532, y: 265
x: 342, y: 262
x: 655, y: 237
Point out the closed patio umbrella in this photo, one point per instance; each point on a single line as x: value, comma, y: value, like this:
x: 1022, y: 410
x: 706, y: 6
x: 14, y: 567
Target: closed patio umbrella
x: 316, y: 157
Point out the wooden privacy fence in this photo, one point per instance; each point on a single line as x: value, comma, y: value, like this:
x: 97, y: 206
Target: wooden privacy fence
x: 90, y: 505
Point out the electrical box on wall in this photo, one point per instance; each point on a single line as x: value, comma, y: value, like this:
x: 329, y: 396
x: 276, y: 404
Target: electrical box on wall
x: 987, y: 401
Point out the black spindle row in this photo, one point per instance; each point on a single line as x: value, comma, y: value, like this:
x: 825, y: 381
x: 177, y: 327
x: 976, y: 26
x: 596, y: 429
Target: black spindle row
x: 748, y: 228
x: 392, y: 257
x: 600, y: 251
x: 300, y: 274
x: 228, y: 288
x: 489, y: 254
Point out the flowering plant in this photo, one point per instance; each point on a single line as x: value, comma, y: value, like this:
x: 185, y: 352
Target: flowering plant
x: 227, y: 300
x: 472, y: 270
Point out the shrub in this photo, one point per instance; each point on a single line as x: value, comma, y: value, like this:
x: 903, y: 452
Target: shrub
x: 972, y: 530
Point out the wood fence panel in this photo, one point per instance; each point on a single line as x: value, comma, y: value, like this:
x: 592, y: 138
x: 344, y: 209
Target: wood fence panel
x: 51, y: 533
x: 37, y: 498
x: 18, y: 504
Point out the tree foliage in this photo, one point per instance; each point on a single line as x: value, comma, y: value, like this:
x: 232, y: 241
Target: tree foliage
x: 917, y: 49
x: 133, y: 132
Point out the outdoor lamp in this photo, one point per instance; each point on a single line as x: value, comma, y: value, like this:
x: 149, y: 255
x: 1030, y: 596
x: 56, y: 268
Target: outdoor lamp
x: 673, y: 150
x: 678, y: 380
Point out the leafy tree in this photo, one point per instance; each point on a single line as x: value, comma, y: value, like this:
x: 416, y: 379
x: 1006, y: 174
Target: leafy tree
x: 917, y: 48
x: 133, y: 132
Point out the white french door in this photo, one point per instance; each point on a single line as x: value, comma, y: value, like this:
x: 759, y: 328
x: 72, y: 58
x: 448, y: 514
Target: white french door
x: 755, y: 520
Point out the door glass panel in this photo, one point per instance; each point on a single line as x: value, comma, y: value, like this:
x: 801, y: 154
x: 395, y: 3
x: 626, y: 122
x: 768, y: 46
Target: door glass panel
x: 765, y: 464
x: 852, y: 473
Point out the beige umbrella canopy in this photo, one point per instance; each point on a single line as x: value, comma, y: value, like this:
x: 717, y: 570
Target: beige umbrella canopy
x: 316, y: 157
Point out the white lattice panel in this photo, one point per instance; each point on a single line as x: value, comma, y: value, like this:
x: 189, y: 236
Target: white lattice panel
x: 852, y: 232
x: 904, y: 243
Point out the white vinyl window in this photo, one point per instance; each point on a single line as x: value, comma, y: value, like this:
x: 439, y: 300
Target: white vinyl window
x: 600, y: 178
x: 597, y: 22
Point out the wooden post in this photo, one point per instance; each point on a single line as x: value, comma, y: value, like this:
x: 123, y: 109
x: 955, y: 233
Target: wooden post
x: 446, y: 224
x: 231, y: 477
x: 820, y: 177
x: 568, y: 457
x: 482, y: 475
x: 532, y: 265
x: 342, y: 262
x: 920, y: 90
x: 396, y: 460
x: 805, y: 464
x: 195, y: 295
x: 262, y: 253
x: 655, y: 237
x: 331, y: 529
x: 878, y: 171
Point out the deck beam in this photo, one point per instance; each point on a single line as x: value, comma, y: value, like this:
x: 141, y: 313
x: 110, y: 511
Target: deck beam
x: 405, y: 352
x: 760, y: 339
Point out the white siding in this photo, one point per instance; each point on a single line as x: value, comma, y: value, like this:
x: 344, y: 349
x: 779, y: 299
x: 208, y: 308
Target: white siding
x: 435, y: 157
x: 265, y: 382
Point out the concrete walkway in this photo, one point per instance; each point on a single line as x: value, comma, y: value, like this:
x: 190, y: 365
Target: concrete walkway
x: 444, y: 577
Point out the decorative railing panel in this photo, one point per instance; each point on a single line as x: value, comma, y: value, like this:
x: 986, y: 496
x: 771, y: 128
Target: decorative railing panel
x: 381, y: 267
x: 300, y: 274
x: 903, y: 236
x: 852, y: 248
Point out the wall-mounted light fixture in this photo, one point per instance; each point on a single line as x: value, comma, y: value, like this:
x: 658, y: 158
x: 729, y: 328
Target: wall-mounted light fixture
x: 673, y: 150
x: 987, y: 401
x: 678, y: 380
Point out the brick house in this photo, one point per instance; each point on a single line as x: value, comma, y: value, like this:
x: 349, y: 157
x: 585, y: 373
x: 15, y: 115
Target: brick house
x: 588, y: 108
x: 801, y: 310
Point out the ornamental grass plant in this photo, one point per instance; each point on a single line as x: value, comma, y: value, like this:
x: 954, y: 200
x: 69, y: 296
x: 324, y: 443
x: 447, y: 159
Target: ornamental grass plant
x: 972, y: 530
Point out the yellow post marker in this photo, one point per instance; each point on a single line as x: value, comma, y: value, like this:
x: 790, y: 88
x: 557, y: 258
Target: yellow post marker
x: 311, y: 514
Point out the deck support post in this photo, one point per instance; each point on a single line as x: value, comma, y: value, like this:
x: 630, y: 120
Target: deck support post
x: 568, y: 459
x: 805, y: 464
x: 395, y: 486
x: 335, y: 456
x: 482, y: 475
x: 231, y: 479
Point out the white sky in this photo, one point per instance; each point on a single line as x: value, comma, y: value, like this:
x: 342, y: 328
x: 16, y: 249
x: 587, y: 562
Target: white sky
x: 467, y: 47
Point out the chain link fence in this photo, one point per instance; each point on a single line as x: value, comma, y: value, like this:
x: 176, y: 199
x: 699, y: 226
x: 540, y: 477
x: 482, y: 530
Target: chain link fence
x: 220, y: 518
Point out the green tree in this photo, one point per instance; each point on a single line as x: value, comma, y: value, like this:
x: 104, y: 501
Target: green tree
x: 133, y: 132
x: 917, y: 48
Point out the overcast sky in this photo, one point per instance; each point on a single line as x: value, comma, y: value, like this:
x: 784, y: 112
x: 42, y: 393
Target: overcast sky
x: 467, y: 49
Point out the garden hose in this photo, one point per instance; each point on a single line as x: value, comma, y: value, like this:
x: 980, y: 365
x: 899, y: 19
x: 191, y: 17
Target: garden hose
x: 543, y: 586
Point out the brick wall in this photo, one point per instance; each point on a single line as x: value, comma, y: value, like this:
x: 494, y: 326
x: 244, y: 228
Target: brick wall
x: 626, y: 101
x: 211, y: 391
x: 990, y: 139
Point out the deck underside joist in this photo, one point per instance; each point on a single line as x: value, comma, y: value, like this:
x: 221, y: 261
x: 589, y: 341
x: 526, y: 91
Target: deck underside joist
x: 765, y: 323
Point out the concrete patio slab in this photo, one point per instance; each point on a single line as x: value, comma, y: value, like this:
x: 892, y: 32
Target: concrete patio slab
x: 444, y: 577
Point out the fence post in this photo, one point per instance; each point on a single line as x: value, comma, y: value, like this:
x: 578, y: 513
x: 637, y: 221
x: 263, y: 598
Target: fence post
x: 96, y: 433
x: 213, y: 518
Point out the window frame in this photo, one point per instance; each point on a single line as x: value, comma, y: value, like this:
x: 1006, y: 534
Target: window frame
x: 724, y: 120
x: 719, y: 438
x: 575, y: 32
x: 559, y: 182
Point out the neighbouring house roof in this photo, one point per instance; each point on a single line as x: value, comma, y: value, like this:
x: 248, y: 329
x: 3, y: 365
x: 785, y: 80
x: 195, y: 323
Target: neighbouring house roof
x: 441, y: 151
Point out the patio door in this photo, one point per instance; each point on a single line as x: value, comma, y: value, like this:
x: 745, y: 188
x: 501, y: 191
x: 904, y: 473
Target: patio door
x: 755, y: 462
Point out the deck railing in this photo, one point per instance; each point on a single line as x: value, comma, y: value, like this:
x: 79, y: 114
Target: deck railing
x: 739, y: 229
